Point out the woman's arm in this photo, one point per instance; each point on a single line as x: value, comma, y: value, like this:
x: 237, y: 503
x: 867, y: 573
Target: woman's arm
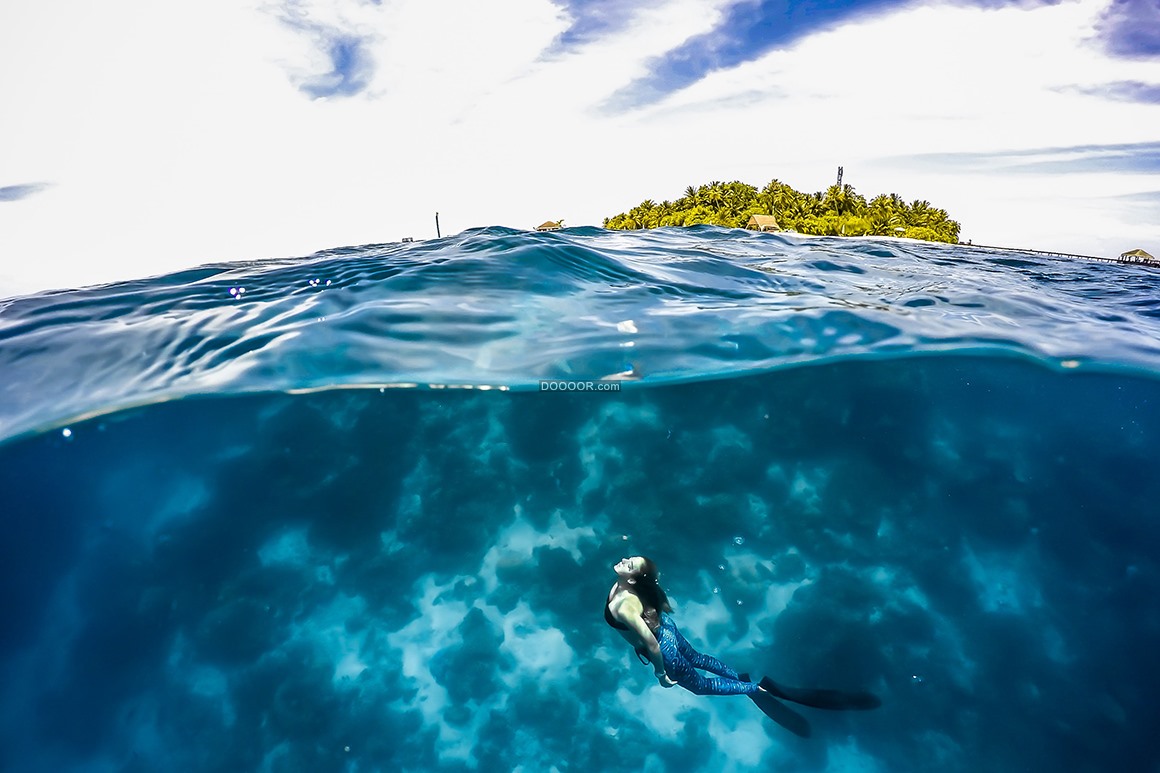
x: 653, y: 650
x: 629, y: 612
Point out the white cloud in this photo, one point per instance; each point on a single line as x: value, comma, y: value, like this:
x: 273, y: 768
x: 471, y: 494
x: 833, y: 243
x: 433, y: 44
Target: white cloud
x: 935, y: 79
x: 174, y: 136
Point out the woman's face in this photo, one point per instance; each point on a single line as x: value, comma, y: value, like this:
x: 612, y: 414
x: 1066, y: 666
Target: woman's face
x: 629, y: 567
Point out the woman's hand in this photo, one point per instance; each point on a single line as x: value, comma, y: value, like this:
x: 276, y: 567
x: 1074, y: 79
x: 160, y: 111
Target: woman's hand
x: 664, y: 680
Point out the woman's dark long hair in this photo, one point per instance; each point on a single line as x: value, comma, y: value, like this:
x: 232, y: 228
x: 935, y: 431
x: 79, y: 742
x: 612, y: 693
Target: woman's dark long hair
x: 652, y: 596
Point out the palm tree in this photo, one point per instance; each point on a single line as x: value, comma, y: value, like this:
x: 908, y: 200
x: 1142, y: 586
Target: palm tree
x: 710, y: 194
x: 837, y: 210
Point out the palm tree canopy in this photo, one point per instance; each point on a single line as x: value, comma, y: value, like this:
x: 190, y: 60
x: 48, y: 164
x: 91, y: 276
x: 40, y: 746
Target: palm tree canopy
x: 837, y: 211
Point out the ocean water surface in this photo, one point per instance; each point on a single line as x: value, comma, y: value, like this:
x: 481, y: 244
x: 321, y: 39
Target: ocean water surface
x: 357, y: 511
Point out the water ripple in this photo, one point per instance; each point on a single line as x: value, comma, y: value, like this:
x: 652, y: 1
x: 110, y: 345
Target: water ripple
x: 497, y: 306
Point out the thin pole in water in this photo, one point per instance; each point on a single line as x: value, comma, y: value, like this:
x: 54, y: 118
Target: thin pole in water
x: 438, y: 234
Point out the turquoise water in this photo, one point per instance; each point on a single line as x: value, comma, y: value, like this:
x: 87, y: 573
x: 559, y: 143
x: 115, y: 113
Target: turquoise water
x: 234, y: 538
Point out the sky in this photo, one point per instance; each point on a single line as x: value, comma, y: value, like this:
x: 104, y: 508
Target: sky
x: 141, y: 138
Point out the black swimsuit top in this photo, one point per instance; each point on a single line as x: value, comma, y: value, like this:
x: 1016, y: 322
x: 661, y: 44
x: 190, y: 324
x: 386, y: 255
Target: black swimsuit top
x: 608, y: 618
x: 641, y: 653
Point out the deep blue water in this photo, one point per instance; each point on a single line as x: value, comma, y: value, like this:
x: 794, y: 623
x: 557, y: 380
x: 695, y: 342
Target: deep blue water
x: 923, y: 470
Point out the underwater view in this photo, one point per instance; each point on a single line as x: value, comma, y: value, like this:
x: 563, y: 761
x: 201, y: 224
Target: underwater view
x: 359, y: 511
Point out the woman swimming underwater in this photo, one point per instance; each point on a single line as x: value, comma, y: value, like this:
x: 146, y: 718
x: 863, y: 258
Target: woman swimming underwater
x: 638, y: 609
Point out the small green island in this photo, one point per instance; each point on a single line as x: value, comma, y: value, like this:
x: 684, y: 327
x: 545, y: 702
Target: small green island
x: 838, y: 211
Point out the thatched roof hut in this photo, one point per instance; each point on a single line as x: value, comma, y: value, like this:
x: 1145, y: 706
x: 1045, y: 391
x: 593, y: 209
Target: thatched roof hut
x: 1137, y: 256
x: 550, y: 225
x: 763, y: 223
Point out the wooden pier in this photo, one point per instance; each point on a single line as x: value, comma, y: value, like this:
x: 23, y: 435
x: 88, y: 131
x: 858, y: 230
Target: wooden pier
x: 1127, y: 261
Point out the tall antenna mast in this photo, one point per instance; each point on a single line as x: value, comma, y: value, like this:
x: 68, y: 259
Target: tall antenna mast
x: 839, y: 183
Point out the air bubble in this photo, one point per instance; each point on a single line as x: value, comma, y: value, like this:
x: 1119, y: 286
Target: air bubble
x: 66, y: 433
x: 739, y: 541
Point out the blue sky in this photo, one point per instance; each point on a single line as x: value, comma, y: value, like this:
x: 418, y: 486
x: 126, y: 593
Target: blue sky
x: 141, y: 139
